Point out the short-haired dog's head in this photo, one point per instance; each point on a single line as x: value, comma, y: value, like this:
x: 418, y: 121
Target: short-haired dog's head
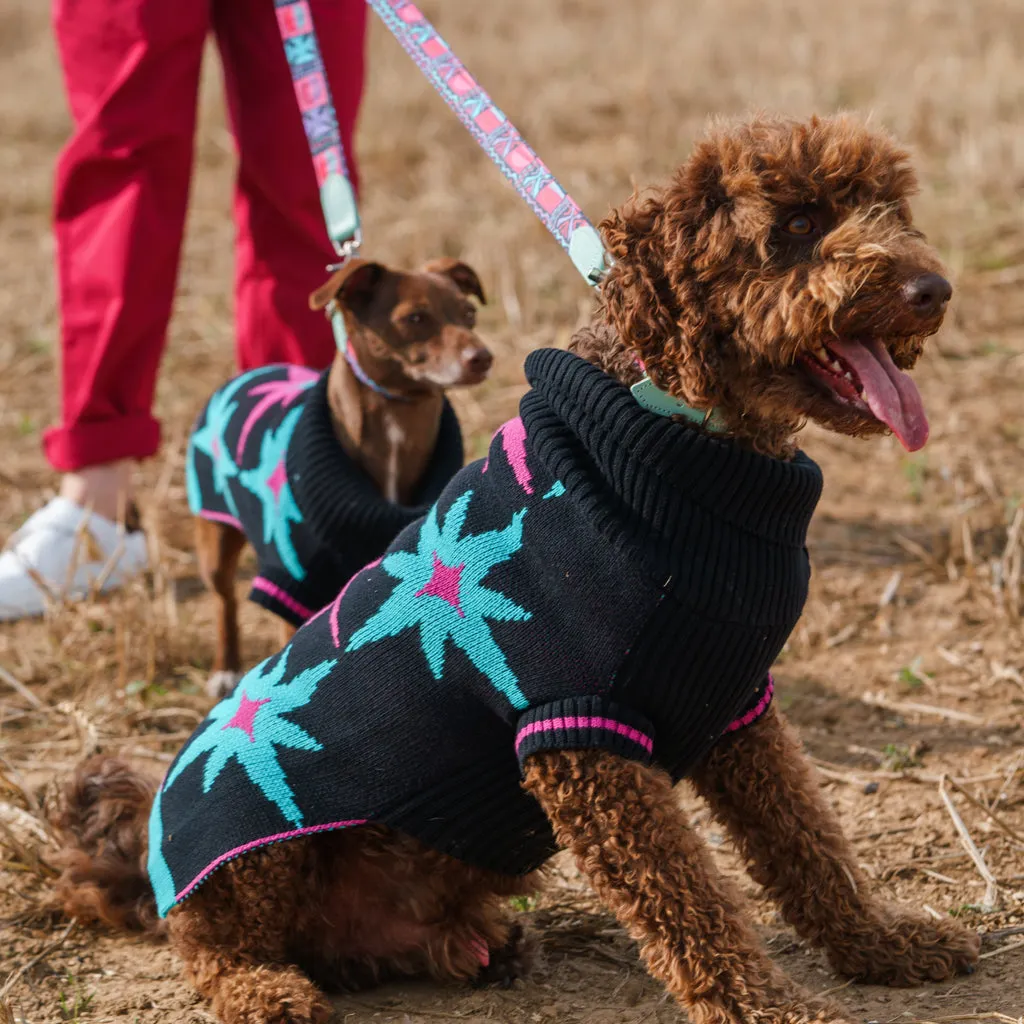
x: 779, y: 277
x: 411, y: 329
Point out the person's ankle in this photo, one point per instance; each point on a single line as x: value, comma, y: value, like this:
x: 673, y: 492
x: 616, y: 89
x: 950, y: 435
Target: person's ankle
x: 107, y: 489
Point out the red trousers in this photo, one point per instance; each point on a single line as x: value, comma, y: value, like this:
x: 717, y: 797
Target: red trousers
x: 131, y: 68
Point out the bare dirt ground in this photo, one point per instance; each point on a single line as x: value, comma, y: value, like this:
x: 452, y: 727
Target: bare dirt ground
x: 909, y: 661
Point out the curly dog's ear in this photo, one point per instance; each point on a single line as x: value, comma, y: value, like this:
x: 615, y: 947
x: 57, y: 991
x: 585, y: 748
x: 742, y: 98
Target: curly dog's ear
x: 652, y: 295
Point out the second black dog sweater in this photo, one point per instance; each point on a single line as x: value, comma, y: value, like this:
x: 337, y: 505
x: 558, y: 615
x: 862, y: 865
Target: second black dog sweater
x: 263, y: 458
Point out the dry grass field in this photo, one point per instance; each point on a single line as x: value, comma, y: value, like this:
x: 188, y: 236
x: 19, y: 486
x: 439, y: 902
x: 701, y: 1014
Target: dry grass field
x: 909, y: 661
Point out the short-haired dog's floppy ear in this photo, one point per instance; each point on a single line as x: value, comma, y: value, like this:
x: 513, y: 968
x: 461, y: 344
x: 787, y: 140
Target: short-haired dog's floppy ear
x: 462, y: 274
x: 353, y: 285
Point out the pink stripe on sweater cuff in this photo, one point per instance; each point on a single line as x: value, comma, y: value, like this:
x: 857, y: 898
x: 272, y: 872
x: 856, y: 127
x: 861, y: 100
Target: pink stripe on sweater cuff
x: 586, y: 722
x: 274, y: 591
x: 755, y: 712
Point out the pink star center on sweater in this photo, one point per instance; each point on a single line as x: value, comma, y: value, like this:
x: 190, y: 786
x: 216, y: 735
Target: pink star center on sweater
x: 277, y: 480
x: 245, y: 716
x: 444, y: 583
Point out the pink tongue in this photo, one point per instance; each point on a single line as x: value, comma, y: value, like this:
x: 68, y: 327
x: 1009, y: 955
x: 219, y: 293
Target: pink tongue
x: 890, y: 394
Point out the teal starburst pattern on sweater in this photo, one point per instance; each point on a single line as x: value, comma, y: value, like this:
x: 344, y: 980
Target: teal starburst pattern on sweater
x: 211, y: 441
x: 250, y: 725
x: 441, y: 591
x: 156, y: 864
x: 269, y: 483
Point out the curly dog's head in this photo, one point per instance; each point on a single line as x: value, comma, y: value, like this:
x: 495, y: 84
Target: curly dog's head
x: 779, y: 277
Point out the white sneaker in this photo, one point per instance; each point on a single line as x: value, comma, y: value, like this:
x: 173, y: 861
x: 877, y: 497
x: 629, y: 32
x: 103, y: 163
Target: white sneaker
x: 64, y: 551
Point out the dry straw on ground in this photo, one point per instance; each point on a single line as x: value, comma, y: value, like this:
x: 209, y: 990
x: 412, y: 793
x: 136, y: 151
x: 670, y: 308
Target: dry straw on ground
x: 908, y: 665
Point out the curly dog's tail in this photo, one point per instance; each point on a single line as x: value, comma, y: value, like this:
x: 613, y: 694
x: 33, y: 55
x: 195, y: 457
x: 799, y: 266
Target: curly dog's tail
x: 103, y: 823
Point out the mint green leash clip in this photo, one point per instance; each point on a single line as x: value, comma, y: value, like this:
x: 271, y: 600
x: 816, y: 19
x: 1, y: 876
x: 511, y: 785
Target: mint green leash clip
x: 588, y: 255
x: 341, y: 215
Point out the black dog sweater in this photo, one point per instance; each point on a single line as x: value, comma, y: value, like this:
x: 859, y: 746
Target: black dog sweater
x: 263, y: 457
x: 605, y: 578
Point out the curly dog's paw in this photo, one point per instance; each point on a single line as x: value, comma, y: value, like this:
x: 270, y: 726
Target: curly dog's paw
x: 793, y: 1013
x: 270, y: 995
x: 514, y: 959
x: 907, y: 950
x: 319, y: 1012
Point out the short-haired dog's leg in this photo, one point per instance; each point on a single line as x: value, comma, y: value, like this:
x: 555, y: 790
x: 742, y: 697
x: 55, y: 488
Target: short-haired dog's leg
x: 630, y: 838
x: 759, y: 783
x: 218, y: 547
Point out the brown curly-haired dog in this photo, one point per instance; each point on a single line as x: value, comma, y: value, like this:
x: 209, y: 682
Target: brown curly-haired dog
x: 777, y: 278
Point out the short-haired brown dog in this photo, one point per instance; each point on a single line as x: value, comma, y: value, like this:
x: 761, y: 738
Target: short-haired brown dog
x: 410, y: 336
x: 778, y: 277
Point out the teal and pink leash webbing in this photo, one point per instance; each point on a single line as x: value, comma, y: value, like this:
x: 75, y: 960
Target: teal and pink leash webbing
x: 320, y: 123
x: 496, y: 135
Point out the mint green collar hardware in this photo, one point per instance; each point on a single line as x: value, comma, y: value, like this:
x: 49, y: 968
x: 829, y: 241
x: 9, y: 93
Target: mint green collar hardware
x: 653, y: 399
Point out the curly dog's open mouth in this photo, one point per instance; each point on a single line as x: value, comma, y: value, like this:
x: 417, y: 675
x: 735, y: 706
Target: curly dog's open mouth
x: 861, y: 375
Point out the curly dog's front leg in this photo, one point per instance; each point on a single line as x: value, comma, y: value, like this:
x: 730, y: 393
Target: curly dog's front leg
x: 630, y: 839
x: 759, y: 783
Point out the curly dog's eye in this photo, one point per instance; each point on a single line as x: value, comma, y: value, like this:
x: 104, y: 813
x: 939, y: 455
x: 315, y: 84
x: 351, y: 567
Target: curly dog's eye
x: 800, y: 225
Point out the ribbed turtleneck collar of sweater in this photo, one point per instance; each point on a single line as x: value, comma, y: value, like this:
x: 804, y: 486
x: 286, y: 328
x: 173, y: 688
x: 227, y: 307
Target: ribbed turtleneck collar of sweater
x: 335, y: 495
x: 594, y: 437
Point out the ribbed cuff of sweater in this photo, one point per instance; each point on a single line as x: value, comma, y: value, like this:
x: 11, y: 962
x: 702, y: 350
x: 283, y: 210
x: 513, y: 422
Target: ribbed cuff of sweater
x: 580, y: 723
x: 759, y: 704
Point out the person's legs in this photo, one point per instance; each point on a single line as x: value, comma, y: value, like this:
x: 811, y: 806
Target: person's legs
x: 131, y: 70
x: 107, y: 489
x: 282, y: 247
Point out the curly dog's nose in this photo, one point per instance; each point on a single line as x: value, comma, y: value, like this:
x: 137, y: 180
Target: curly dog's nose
x: 927, y: 294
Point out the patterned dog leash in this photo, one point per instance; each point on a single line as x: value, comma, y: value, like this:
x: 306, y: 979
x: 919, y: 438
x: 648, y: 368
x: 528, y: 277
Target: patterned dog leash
x: 487, y: 124
x: 320, y: 123
x: 484, y: 120
x: 496, y: 135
